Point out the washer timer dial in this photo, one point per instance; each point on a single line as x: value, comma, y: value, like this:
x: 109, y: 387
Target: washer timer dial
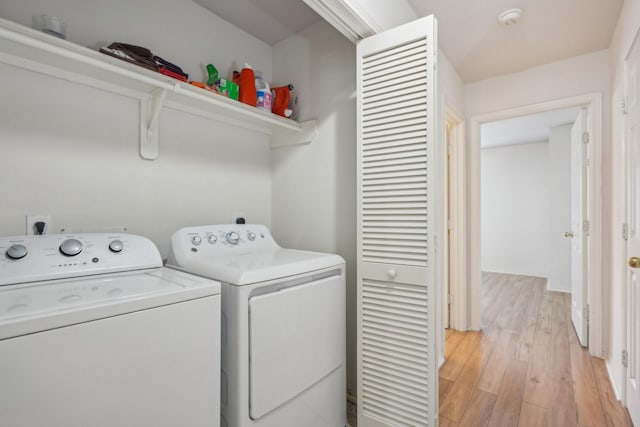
x: 71, y: 247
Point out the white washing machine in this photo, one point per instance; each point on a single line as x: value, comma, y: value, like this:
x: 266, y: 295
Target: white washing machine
x: 283, y: 317
x: 95, y: 332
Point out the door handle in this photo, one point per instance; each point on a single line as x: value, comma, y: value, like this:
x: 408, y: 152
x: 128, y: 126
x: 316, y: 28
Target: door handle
x: 392, y: 273
x: 634, y: 262
x: 568, y: 234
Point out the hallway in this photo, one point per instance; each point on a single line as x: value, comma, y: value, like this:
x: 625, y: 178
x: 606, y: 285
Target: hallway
x: 526, y: 367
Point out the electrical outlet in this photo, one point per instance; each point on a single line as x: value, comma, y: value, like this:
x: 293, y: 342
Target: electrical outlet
x: 238, y: 216
x: 31, y: 220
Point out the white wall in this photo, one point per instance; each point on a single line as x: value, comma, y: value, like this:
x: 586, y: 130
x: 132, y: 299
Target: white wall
x: 72, y: 151
x: 314, y: 186
x: 559, y: 181
x: 626, y: 29
x: 515, y: 209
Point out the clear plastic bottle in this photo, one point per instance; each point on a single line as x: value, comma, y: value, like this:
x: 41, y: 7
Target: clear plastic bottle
x: 263, y: 94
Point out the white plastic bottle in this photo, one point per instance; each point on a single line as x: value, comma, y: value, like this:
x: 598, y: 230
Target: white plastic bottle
x: 264, y: 94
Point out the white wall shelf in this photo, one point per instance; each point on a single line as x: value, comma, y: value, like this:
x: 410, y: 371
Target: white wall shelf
x: 39, y: 52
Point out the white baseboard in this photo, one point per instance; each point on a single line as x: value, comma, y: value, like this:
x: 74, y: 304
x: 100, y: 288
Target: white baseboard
x: 614, y: 385
x: 551, y: 287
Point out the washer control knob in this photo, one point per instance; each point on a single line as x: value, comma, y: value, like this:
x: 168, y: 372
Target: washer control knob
x: 233, y: 237
x: 17, y: 251
x: 251, y: 236
x: 116, y: 246
x: 71, y: 247
x: 212, y: 238
x: 196, y: 240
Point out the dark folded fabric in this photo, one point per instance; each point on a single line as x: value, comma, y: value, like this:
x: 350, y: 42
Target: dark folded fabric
x: 134, y: 54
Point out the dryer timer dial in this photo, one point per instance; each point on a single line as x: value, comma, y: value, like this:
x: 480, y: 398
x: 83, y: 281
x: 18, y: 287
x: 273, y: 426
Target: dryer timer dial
x: 233, y: 237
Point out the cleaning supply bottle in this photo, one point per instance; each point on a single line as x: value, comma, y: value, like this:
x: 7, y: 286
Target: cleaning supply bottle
x: 246, y: 80
x: 263, y: 94
x: 281, y: 100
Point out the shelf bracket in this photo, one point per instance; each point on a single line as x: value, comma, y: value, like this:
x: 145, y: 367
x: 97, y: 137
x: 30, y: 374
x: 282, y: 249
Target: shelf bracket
x: 283, y: 137
x: 149, y: 115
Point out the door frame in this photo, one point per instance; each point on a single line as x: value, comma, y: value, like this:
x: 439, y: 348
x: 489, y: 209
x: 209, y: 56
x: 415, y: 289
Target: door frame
x: 471, y: 294
x: 456, y: 251
x: 626, y: 217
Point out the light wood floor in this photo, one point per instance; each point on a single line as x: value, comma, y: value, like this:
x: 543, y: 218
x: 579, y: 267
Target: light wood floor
x: 526, y: 367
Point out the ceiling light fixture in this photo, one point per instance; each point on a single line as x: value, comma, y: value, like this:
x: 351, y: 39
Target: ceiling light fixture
x: 510, y: 16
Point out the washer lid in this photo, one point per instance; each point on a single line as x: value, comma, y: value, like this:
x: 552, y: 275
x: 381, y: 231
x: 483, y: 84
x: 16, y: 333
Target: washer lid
x: 257, y: 266
x: 40, y: 306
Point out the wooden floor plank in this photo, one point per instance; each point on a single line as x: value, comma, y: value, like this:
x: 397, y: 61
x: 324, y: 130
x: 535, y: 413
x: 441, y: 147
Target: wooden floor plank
x: 615, y: 415
x: 452, y: 343
x: 454, y: 364
x: 562, y: 405
x: 509, y: 402
x: 504, y: 352
x: 444, y: 386
x: 585, y: 388
x: 528, y: 330
x: 532, y: 416
x: 479, y: 410
x: 457, y: 399
x: 536, y: 391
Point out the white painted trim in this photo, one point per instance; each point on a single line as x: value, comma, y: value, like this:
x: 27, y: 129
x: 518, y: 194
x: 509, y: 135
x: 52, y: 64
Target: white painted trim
x: 457, y: 251
x: 614, y: 386
x: 593, y: 102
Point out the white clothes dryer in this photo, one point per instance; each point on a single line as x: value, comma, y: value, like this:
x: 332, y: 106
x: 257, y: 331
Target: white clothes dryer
x: 283, y: 325
x: 95, y: 332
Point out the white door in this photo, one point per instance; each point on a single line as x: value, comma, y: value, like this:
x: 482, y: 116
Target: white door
x: 579, y: 228
x: 397, y: 360
x: 632, y: 147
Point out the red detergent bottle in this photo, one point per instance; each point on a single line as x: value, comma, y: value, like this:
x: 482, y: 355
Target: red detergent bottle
x: 246, y: 81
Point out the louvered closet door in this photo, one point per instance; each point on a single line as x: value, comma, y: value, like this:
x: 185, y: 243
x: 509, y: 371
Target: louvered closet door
x: 397, y: 364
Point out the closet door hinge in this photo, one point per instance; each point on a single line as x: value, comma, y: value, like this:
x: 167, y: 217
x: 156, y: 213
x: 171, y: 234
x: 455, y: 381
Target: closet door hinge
x: 624, y: 106
x: 624, y: 358
x: 585, y: 137
x: 625, y: 231
x: 585, y: 226
x: 585, y: 313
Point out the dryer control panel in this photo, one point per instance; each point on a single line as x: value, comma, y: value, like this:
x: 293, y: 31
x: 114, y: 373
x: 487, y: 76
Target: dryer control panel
x: 52, y: 256
x: 224, y: 239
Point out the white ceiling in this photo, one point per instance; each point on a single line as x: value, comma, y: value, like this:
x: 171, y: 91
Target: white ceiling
x: 469, y: 34
x: 525, y: 129
x: 268, y: 20
x: 479, y: 47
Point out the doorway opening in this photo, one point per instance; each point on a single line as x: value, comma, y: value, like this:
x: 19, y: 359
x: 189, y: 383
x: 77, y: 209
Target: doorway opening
x: 591, y: 103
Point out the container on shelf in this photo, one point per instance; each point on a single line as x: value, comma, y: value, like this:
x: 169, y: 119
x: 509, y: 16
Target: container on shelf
x: 263, y: 94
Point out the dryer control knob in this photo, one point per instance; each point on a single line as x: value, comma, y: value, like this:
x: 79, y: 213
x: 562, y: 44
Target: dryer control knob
x: 212, y: 238
x: 233, y: 237
x: 17, y: 251
x: 196, y: 240
x: 116, y: 246
x: 71, y: 247
x: 251, y: 236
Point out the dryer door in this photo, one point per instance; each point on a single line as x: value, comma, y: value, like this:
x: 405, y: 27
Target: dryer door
x: 296, y: 338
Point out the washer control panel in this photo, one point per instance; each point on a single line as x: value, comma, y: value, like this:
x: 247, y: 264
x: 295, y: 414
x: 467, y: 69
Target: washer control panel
x: 32, y: 258
x: 222, y: 239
